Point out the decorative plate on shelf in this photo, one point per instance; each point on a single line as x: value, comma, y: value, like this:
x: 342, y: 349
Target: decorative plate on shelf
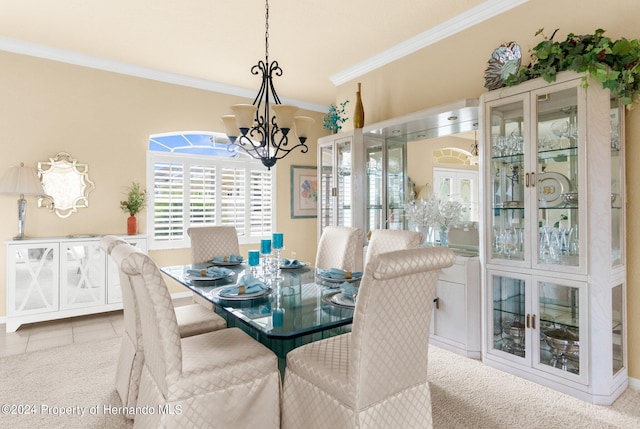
x: 551, y: 186
x: 504, y: 61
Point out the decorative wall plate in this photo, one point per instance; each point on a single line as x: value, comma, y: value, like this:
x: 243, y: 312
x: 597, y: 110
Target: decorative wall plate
x: 550, y: 188
x: 504, y: 61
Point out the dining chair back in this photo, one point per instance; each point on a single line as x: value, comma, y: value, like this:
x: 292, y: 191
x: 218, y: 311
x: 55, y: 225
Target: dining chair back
x: 210, y: 241
x: 388, y: 240
x: 375, y: 376
x: 340, y: 247
x: 192, y: 320
x: 218, y: 379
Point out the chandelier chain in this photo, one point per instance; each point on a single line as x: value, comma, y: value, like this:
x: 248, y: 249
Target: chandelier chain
x: 266, y: 30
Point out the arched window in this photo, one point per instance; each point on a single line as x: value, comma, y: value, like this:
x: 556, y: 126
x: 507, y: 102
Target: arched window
x: 197, y: 181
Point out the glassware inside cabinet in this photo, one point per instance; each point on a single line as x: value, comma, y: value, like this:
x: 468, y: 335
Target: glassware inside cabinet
x: 557, y: 178
x: 617, y: 250
x: 509, y: 315
x: 559, y: 323
x: 507, y: 167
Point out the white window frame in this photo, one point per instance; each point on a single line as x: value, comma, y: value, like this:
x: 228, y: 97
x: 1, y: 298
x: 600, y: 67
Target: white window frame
x: 249, y: 164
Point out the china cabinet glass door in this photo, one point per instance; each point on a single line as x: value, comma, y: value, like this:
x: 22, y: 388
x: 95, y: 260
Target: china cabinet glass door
x: 326, y: 187
x: 374, y: 216
x: 396, y: 184
x: 557, y: 178
x: 344, y: 177
x: 506, y: 182
x: 508, y: 315
x: 559, y: 324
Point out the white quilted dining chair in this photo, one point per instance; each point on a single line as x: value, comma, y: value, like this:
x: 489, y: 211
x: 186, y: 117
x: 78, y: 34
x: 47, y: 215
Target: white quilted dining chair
x: 220, y: 379
x: 210, y: 241
x: 376, y: 375
x: 389, y: 240
x: 340, y: 247
x: 191, y: 319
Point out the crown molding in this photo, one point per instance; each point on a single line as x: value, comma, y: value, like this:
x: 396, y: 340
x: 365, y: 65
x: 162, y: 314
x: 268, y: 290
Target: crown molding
x: 476, y: 15
x: 70, y: 57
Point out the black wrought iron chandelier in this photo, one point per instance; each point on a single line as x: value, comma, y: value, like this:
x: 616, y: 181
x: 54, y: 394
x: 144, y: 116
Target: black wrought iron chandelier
x: 255, y: 130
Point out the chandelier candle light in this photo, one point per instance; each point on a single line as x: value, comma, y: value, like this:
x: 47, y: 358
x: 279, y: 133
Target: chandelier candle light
x: 253, y: 129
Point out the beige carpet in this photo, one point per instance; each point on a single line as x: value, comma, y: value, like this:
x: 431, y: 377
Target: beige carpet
x: 466, y: 394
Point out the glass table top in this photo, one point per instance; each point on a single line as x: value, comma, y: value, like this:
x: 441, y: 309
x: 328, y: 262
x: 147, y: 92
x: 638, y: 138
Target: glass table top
x: 298, y: 304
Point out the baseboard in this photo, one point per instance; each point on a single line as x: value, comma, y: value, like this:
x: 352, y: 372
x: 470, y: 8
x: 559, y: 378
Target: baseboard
x: 634, y: 383
x: 3, y: 320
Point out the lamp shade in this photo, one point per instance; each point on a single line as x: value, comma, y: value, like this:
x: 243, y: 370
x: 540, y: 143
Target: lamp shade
x: 245, y: 115
x: 303, y: 126
x: 21, y: 180
x: 284, y: 115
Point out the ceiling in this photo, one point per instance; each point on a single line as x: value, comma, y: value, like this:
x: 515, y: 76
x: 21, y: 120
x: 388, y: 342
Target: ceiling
x: 318, y: 43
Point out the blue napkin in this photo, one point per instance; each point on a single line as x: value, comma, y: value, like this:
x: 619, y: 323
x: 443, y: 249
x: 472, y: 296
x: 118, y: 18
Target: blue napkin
x: 291, y: 263
x: 230, y: 259
x: 348, y: 290
x: 250, y: 285
x: 338, y: 274
x: 210, y: 272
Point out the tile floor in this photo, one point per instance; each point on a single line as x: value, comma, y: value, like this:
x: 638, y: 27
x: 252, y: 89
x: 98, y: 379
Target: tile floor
x: 42, y: 335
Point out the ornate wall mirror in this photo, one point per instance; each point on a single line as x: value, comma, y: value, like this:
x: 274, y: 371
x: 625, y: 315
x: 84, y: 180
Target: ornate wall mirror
x: 66, y: 183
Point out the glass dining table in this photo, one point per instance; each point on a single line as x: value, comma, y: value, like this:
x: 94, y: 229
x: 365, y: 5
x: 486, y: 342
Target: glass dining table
x: 298, y: 309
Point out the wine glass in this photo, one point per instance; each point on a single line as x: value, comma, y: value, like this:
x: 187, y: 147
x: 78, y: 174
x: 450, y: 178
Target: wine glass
x: 510, y: 242
x: 561, y: 129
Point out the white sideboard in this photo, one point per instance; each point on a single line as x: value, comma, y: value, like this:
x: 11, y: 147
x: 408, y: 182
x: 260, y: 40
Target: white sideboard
x: 456, y: 323
x: 58, y: 277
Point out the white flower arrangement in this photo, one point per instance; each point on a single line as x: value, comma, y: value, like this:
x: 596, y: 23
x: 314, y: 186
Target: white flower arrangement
x: 434, y: 212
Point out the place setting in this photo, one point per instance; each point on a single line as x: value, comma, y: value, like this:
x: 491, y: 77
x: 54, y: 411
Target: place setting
x: 248, y: 287
x: 336, y: 275
x: 227, y: 260
x: 209, y: 273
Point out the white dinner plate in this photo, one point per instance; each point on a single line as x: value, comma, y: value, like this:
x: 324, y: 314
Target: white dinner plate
x: 339, y: 300
x: 550, y: 187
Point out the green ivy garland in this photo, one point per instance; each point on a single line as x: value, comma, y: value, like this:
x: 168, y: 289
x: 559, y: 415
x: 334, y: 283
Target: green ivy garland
x: 615, y: 64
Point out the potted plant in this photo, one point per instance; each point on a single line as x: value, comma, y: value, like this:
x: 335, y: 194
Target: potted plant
x: 613, y: 63
x: 135, y: 202
x: 335, y: 117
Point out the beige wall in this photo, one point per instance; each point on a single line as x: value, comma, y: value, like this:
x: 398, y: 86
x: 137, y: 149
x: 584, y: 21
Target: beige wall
x: 101, y: 117
x: 104, y: 120
x: 454, y: 69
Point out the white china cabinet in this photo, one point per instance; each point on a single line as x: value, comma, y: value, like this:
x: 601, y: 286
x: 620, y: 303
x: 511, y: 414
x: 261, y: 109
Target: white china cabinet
x: 53, y: 278
x: 340, y: 180
x: 363, y: 183
x: 554, y: 236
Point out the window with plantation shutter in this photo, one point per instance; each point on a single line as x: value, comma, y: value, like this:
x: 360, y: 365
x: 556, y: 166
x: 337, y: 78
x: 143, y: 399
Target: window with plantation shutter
x: 197, y: 182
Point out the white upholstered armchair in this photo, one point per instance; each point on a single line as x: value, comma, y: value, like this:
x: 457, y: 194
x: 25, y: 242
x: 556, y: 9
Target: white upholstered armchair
x: 375, y: 376
x: 220, y: 379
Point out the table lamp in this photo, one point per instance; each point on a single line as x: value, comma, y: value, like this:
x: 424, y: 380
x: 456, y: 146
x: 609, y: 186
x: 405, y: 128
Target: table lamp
x: 21, y: 180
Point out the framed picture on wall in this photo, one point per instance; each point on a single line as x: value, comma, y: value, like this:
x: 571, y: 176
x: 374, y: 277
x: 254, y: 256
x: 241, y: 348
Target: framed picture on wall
x: 304, y: 191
